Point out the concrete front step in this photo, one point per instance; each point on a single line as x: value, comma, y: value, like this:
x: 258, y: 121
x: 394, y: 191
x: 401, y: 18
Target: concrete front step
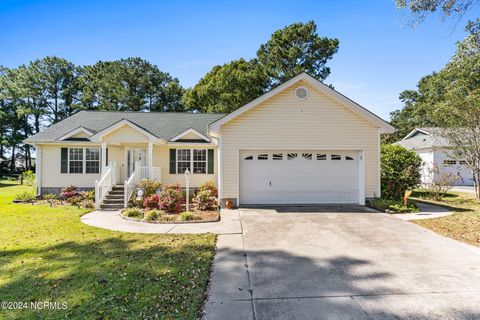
x: 113, y: 201
x: 111, y: 206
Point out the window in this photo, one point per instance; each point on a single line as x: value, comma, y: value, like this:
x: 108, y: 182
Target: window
x: 291, y: 156
x: 249, y: 158
x: 75, y: 160
x: 348, y: 158
x: 92, y: 160
x: 336, y: 157
x: 463, y: 162
x: 199, y: 161
x: 307, y: 156
x: 262, y: 157
x: 277, y: 156
x: 183, y: 160
x: 195, y: 160
x: 449, y: 162
x: 321, y: 156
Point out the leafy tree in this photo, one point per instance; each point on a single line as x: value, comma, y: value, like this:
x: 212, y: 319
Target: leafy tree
x: 294, y: 49
x: 227, y: 87
x: 400, y: 170
x: 420, y: 9
x: 459, y: 111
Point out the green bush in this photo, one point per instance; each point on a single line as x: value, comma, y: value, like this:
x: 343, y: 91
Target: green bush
x: 50, y: 197
x: 152, y: 215
x: 395, y: 206
x: 400, y: 171
x: 210, y: 186
x: 89, y: 195
x: 75, y: 200
x: 89, y: 204
x: 133, y: 213
x: 149, y: 186
x: 205, y: 200
x: 26, y: 196
x: 186, y: 216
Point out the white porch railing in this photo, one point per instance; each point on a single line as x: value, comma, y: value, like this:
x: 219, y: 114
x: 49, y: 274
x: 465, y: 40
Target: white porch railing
x: 139, y: 174
x: 107, y: 180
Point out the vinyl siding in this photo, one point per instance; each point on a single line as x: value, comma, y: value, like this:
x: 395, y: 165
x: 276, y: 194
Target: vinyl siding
x: 283, y: 122
x: 50, y: 170
x: 125, y: 134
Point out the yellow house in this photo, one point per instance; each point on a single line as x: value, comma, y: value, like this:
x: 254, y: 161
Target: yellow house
x: 301, y: 143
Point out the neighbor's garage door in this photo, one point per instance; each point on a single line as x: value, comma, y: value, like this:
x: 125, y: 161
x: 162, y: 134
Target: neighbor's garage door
x: 298, y: 177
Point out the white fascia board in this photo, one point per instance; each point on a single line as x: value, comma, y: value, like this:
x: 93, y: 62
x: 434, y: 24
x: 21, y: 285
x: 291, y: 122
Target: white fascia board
x: 74, y: 132
x: 383, y: 126
x: 191, y: 130
x: 411, y: 133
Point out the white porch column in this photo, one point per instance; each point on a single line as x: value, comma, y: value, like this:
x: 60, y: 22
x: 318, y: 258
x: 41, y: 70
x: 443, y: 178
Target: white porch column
x: 104, y: 158
x: 38, y: 169
x: 150, y: 159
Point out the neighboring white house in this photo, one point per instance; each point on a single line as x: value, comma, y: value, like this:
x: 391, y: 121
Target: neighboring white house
x: 429, y: 144
x: 302, y: 142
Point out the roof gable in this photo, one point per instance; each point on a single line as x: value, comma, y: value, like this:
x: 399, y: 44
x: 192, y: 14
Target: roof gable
x: 189, y: 135
x: 383, y: 126
x: 78, y: 133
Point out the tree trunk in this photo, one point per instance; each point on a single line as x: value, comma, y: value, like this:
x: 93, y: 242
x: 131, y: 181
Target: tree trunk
x: 12, y: 161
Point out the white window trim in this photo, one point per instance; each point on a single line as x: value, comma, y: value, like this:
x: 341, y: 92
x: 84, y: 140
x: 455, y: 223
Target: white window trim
x: 84, y: 160
x: 191, y: 160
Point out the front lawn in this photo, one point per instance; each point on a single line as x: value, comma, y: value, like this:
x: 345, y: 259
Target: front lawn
x: 463, y: 225
x: 47, y: 254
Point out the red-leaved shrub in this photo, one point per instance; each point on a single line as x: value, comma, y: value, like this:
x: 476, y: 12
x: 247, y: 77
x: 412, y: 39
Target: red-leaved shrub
x: 151, y: 202
x: 171, y: 198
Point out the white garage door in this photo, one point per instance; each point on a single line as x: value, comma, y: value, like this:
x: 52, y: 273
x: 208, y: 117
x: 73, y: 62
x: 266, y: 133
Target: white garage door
x: 298, y: 177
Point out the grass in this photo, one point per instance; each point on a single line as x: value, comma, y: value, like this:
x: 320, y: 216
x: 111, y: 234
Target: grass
x: 463, y: 224
x: 47, y: 254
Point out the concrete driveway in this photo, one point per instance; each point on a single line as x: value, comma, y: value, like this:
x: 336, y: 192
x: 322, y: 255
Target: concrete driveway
x: 341, y: 263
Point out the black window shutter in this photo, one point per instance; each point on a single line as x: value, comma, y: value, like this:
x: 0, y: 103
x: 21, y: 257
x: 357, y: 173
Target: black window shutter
x: 64, y: 161
x: 106, y: 157
x: 211, y: 159
x: 173, y: 161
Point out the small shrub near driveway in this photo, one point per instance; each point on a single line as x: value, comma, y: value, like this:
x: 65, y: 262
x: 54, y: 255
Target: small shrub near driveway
x: 152, y: 215
x: 400, y: 171
x: 133, y: 213
x: 206, y: 197
x: 437, y: 184
x: 393, y: 206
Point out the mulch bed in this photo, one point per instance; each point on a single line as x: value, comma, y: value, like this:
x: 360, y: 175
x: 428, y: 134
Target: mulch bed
x: 167, y: 218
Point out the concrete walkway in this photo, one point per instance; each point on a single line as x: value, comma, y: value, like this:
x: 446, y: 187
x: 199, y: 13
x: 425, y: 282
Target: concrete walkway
x: 427, y: 211
x: 466, y: 189
x: 342, y: 264
x: 228, y: 224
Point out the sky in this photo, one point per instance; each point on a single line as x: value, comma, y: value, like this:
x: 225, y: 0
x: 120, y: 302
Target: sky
x: 379, y: 55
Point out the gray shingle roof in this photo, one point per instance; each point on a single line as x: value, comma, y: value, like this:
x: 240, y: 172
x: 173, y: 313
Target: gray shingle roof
x: 432, y: 138
x: 164, y: 125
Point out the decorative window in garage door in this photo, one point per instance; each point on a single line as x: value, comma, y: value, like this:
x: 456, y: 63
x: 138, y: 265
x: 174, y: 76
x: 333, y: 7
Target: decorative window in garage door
x: 249, y: 158
x: 277, y: 156
x: 292, y: 156
x: 262, y: 157
x: 336, y: 157
x: 321, y: 156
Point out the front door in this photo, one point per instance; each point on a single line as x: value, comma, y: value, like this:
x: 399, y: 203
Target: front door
x: 135, y: 155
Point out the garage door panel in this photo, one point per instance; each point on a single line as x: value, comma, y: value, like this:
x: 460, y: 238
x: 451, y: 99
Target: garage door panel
x: 293, y: 177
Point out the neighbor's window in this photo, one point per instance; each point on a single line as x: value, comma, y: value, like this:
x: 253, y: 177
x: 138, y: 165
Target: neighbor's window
x: 449, y: 162
x: 92, y: 160
x: 183, y: 160
x: 75, y: 160
x: 463, y: 162
x: 199, y: 161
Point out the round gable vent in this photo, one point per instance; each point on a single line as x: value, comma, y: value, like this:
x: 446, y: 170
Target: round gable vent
x: 301, y: 93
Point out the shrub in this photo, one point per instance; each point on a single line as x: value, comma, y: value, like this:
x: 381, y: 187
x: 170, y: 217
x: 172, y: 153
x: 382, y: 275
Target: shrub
x: 75, y: 200
x: 186, y: 216
x: 171, y: 198
x: 133, y: 213
x: 436, y: 183
x: 205, y: 200
x: 392, y: 205
x: 89, y: 195
x: 210, y: 186
x: 149, y: 186
x: 152, y: 215
x: 68, y: 192
x: 151, y: 201
x: 89, y: 204
x: 26, y: 196
x: 28, y: 177
x: 400, y: 171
